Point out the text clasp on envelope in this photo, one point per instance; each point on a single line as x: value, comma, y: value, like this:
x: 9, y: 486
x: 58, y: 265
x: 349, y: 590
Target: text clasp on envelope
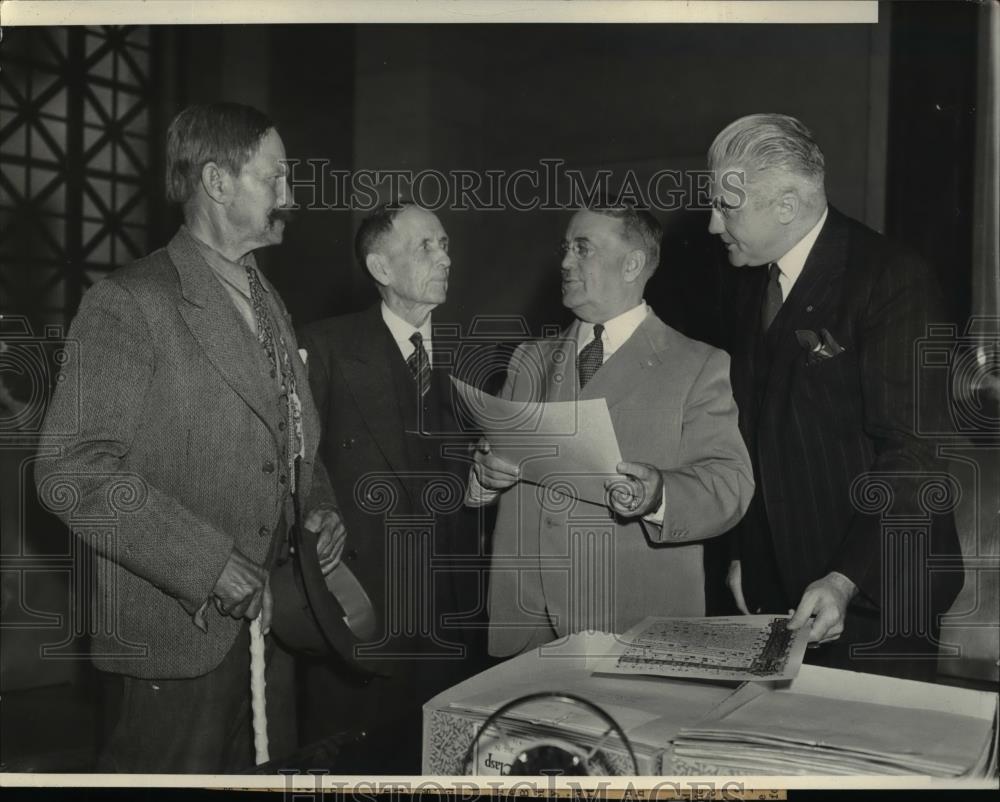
x: 569, y: 447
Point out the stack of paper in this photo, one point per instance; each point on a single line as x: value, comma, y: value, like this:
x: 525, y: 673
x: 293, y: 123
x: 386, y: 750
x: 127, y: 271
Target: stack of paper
x: 788, y: 733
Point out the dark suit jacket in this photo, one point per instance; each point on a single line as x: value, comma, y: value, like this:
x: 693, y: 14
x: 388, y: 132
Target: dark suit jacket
x: 163, y: 449
x: 815, y: 428
x: 389, y: 483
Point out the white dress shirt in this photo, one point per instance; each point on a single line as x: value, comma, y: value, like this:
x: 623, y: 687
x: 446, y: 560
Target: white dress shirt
x: 791, y: 263
x: 616, y: 331
x: 401, y: 332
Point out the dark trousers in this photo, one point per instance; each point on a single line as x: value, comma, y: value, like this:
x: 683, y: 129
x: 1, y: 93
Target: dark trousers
x: 200, y: 725
x: 388, y: 710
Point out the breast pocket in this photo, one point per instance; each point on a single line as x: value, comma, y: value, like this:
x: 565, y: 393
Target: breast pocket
x: 649, y: 434
x: 831, y: 384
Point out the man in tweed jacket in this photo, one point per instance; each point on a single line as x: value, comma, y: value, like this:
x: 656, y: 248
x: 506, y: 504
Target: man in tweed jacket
x: 184, y: 432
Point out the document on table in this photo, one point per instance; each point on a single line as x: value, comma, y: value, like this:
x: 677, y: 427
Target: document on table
x: 740, y: 648
x: 784, y: 732
x: 568, y: 447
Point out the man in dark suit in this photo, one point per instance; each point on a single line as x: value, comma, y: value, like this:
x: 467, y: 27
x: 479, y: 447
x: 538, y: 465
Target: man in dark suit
x: 393, y: 451
x: 180, y: 428
x: 852, y: 504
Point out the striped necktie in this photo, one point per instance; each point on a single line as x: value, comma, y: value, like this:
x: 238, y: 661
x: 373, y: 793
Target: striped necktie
x: 419, y: 364
x: 591, y: 357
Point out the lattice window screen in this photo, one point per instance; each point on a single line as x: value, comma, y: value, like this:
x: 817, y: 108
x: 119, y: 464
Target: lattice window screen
x: 75, y: 182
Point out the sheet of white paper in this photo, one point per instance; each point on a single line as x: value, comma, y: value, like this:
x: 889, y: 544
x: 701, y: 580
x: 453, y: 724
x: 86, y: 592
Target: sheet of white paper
x: 746, y: 647
x: 569, y: 447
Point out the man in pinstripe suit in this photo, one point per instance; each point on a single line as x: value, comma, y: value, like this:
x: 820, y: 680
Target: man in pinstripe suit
x: 825, y: 381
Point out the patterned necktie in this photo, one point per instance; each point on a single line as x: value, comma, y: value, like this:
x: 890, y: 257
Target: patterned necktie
x: 265, y: 327
x: 419, y: 364
x: 276, y: 350
x: 591, y: 357
x: 772, y: 298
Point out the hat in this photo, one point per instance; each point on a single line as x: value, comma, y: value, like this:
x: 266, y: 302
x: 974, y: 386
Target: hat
x: 319, y: 615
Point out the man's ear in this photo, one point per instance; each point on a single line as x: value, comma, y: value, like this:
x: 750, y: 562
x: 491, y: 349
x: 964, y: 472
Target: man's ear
x: 216, y: 182
x: 378, y: 267
x: 788, y: 205
x: 634, y: 265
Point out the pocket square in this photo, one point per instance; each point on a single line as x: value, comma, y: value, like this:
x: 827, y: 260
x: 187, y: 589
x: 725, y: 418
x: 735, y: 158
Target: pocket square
x: 818, y: 347
x: 303, y: 355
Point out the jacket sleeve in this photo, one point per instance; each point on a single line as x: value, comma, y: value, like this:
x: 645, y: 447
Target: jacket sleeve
x: 903, y: 300
x: 82, y: 472
x: 711, y: 489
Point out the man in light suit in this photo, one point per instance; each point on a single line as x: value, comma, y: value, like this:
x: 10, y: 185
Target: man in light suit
x: 393, y: 451
x: 824, y: 374
x: 561, y: 566
x: 181, y: 426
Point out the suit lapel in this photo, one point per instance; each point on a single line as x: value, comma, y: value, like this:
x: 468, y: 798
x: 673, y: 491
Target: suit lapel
x: 619, y: 376
x: 367, y: 371
x: 561, y: 383
x: 220, y: 331
x: 813, y: 289
x: 310, y: 416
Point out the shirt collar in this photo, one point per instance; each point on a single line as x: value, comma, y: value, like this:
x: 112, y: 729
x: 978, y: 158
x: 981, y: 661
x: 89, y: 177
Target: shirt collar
x: 616, y: 331
x: 791, y: 263
x: 402, y: 331
x: 234, y: 273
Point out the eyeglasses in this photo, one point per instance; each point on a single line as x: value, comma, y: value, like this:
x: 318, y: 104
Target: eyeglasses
x: 581, y: 249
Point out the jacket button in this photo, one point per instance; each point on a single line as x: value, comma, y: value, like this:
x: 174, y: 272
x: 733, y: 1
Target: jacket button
x: 283, y: 479
x: 281, y: 426
x: 352, y: 554
x: 263, y: 532
x: 346, y: 444
x: 268, y: 466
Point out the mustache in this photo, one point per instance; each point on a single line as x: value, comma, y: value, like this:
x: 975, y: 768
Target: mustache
x: 285, y: 215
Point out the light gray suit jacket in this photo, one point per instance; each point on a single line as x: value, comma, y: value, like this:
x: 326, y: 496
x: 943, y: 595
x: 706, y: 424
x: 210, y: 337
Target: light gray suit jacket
x: 163, y: 448
x: 561, y: 566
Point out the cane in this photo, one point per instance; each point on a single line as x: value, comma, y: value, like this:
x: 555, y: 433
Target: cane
x: 258, y: 700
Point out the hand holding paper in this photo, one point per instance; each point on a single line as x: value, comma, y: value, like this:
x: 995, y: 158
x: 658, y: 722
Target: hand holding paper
x: 493, y: 472
x: 827, y: 599
x: 569, y: 447
x: 638, y: 493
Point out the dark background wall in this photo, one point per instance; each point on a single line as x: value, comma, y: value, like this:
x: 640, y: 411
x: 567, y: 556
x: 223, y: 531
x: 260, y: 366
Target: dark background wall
x: 504, y: 97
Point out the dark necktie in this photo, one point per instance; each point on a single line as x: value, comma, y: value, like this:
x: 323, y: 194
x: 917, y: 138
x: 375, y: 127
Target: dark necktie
x: 772, y: 298
x: 591, y: 358
x: 419, y: 364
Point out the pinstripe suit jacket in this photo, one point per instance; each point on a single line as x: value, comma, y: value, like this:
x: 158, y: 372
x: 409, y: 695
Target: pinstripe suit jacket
x: 815, y: 427
x: 163, y: 449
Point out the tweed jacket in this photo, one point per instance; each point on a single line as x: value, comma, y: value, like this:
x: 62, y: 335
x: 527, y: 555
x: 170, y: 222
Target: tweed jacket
x: 163, y: 449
